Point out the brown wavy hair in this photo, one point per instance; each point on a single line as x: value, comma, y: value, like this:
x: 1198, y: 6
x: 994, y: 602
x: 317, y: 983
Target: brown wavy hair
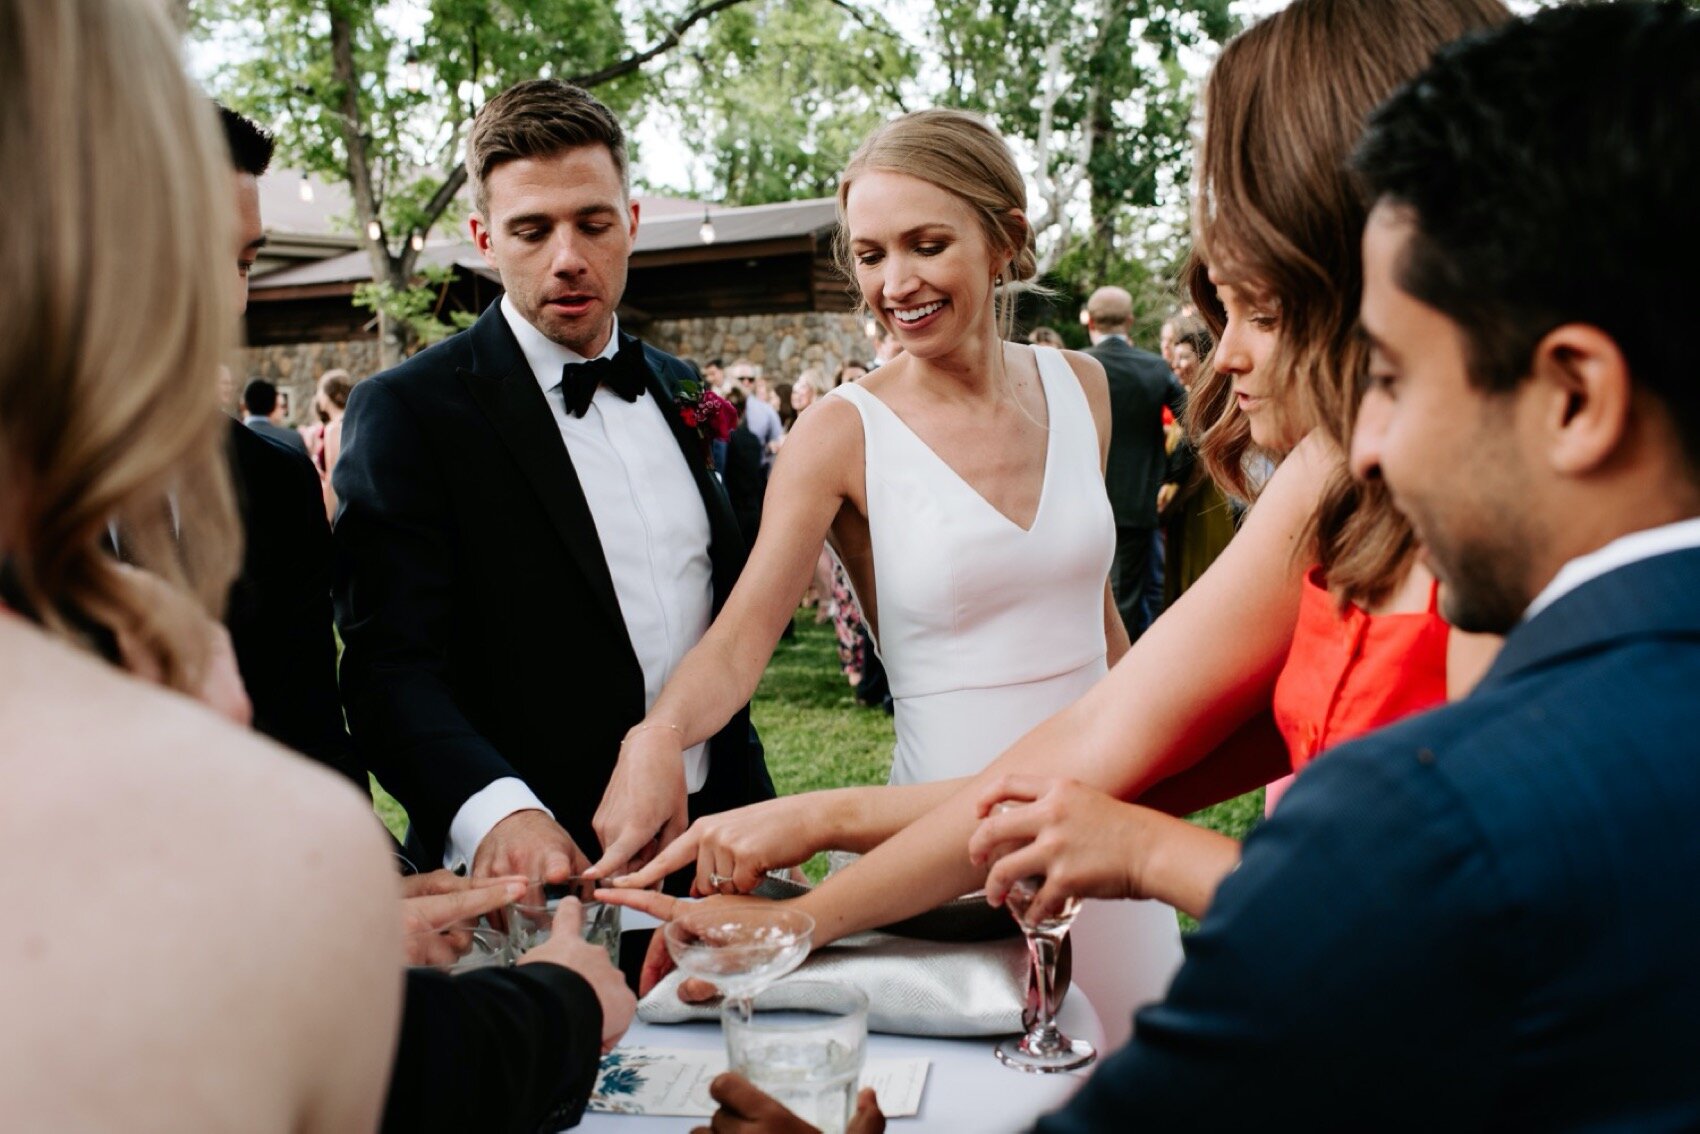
x: 1277, y: 209
x: 114, y: 168
x: 962, y: 155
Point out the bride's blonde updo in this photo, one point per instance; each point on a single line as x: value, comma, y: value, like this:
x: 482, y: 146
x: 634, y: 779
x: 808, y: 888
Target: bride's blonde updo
x: 963, y: 156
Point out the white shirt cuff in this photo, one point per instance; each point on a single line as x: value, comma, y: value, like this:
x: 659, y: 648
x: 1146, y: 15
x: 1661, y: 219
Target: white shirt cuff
x: 696, y: 767
x: 480, y: 814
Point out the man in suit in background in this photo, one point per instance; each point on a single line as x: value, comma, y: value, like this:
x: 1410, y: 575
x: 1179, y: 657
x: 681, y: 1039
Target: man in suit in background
x: 263, y: 412
x: 1485, y: 916
x: 530, y: 538
x: 1141, y: 384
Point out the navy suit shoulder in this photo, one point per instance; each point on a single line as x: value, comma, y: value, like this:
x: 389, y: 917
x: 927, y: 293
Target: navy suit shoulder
x: 1479, y: 917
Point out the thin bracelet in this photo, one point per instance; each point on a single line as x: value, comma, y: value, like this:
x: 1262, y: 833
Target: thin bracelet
x: 650, y: 725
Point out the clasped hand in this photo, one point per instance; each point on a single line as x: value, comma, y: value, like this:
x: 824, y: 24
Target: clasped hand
x: 1083, y: 843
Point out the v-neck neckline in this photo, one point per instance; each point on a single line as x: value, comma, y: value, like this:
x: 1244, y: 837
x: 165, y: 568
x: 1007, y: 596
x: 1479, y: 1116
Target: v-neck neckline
x: 1044, y: 479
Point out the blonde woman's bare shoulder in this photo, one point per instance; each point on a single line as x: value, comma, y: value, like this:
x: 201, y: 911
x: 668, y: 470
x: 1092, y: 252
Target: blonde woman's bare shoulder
x: 200, y: 908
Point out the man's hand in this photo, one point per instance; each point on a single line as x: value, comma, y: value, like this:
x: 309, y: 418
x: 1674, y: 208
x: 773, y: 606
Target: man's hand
x: 568, y: 948
x: 437, y: 910
x: 646, y: 806
x: 531, y: 845
x: 744, y: 1108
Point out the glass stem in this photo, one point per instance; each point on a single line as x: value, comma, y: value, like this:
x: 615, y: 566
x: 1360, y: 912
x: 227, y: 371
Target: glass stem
x: 1044, y: 953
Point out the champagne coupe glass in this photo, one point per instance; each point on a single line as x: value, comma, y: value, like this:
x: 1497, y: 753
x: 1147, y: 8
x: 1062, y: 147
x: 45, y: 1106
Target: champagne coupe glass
x: 740, y: 950
x: 1044, y: 1049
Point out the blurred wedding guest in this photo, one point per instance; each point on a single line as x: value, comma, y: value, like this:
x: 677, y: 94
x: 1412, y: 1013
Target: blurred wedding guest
x: 809, y: 386
x: 714, y: 373
x: 329, y: 402
x: 262, y: 411
x: 850, y: 372
x: 760, y: 417
x: 502, y: 1050
x: 149, y: 1009
x: 1166, y: 336
x: 743, y: 477
x: 787, y: 412
x: 1045, y: 336
x: 1141, y: 388
x: 1197, y: 518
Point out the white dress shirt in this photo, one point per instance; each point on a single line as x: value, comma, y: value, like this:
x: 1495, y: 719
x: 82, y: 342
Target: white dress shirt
x: 1620, y: 552
x: 654, y: 533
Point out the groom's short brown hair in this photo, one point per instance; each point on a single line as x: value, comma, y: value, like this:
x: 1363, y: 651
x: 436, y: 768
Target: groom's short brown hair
x: 538, y: 118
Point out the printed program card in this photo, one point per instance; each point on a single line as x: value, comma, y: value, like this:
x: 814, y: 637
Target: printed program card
x: 661, y: 1081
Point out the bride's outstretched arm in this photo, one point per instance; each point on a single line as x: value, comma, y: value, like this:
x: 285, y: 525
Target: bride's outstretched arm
x: 1198, y: 674
x: 811, y: 479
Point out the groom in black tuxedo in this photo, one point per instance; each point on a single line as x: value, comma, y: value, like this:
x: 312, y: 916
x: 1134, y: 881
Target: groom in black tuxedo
x: 529, y: 542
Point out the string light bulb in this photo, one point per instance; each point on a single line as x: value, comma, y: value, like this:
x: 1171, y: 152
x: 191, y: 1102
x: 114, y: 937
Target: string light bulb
x: 706, y: 229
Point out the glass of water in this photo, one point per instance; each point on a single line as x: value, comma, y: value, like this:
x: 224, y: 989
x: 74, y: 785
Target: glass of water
x: 803, y: 1042
x: 531, y: 919
x: 459, y: 949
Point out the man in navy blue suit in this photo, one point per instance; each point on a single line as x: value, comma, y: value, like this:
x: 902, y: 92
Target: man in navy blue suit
x: 1486, y: 915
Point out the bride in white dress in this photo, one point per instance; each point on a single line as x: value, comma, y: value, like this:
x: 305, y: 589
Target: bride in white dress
x: 961, y: 485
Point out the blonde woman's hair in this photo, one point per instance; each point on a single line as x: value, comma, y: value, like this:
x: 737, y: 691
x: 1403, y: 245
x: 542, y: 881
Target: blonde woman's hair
x: 815, y: 379
x: 121, y: 251
x: 962, y: 155
x: 1277, y: 210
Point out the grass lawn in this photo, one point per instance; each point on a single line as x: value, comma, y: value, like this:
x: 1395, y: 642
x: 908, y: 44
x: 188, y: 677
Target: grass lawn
x: 816, y: 736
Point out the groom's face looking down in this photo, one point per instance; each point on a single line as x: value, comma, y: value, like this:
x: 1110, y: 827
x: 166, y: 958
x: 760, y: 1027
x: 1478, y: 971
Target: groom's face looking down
x: 554, y: 218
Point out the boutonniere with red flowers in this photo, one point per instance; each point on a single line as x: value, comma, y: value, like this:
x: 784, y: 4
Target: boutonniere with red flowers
x: 705, y: 411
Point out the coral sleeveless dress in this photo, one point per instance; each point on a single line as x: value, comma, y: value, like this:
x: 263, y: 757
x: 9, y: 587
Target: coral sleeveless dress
x: 1348, y: 673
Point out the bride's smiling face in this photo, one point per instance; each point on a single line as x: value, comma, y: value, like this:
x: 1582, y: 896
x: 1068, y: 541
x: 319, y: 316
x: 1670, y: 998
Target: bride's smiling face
x: 923, y: 263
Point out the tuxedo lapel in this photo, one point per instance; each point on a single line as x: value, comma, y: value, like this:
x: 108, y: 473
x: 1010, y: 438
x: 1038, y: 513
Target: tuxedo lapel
x: 503, y: 386
x: 726, y: 545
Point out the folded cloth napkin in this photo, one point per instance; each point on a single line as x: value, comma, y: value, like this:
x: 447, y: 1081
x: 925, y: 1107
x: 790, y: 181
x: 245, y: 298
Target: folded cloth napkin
x: 914, y: 988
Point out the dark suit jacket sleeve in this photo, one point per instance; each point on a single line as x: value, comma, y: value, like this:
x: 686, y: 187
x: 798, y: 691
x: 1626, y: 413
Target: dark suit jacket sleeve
x: 513, y: 1050
x: 395, y: 546
x: 280, y: 607
x: 1349, y: 975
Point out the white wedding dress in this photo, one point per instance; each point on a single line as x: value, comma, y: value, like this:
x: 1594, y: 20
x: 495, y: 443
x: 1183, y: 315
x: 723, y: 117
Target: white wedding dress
x: 987, y: 629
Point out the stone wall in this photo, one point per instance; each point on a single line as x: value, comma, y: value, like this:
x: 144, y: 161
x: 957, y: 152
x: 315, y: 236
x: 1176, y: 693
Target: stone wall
x: 782, y: 345
x: 296, y: 367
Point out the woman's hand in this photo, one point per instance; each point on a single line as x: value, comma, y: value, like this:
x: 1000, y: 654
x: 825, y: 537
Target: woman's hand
x: 734, y: 850
x: 645, y: 807
x: 657, y: 963
x: 1086, y: 844
x: 1083, y: 843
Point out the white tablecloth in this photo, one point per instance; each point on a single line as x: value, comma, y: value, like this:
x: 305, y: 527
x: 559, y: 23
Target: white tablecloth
x: 967, y: 1088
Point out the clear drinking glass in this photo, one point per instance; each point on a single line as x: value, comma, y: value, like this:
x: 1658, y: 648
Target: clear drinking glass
x: 459, y: 949
x: 531, y: 919
x: 740, y: 950
x: 803, y: 1042
x: 1044, y: 1048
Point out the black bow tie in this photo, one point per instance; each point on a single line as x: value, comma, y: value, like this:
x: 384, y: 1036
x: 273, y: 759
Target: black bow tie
x: 623, y: 374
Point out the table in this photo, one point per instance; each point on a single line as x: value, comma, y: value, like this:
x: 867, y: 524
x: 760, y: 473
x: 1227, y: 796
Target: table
x: 967, y: 1088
